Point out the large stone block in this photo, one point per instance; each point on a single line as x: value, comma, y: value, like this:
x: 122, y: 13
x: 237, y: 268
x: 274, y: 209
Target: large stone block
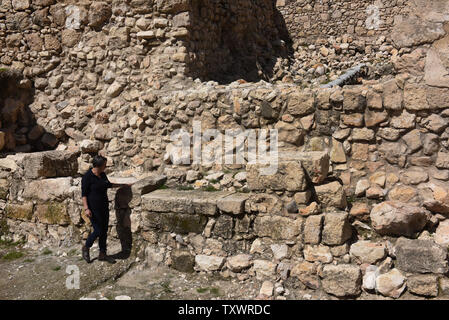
x: 353, y: 99
x: 395, y: 218
x: 208, y: 263
x: 331, y: 195
x: 183, y: 201
x: 420, y: 256
x: 174, y: 222
x: 288, y: 175
x: 277, y: 227
x: 52, y: 213
x: 301, y: 103
x: 48, y: 189
x: 50, y: 164
x: 342, y: 280
x: 182, y: 260
x: 233, y: 204
x: 22, y: 212
x: 423, y: 285
x: 367, y: 251
x: 337, y: 229
x: 315, y: 163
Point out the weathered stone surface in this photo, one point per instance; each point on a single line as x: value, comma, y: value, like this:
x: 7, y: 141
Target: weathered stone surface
x: 277, y: 228
x: 412, y: 31
x: 442, y: 161
x: 264, y: 268
x: 353, y: 99
x: 148, y: 184
x: 264, y: 203
x: 435, y: 198
x: 392, y: 95
x: 50, y: 164
x: 337, y: 154
x: 224, y: 225
x: 233, y: 204
x: 315, y: 163
x: 289, y: 133
x: 52, y: 213
x: 402, y: 193
x: 337, y: 229
x: 319, y: 253
x: 239, y: 262
x: 442, y: 234
x: 48, y: 189
x: 367, y: 251
x: 391, y: 284
x: 306, y: 273
x: 301, y: 104
x: 423, y: 285
x: 312, y: 229
x: 414, y: 177
x: 267, y: 289
x: 415, y: 97
x: 288, y: 176
x: 99, y: 14
x: 420, y: 256
x: 436, y: 64
x: 182, y: 260
x: 208, y: 263
x: 22, y: 212
x: 331, y: 195
x: 369, y: 278
x: 397, y: 218
x: 435, y: 123
x: 342, y: 280
x: 172, y: 6
x: 174, y: 222
x: 183, y: 201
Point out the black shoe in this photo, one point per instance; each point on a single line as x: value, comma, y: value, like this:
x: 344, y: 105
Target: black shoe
x: 105, y: 257
x: 85, y: 253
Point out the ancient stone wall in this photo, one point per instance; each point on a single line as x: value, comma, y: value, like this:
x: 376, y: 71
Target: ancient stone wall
x: 359, y: 202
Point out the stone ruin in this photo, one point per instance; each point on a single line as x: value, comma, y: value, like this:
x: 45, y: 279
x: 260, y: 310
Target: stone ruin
x: 359, y: 204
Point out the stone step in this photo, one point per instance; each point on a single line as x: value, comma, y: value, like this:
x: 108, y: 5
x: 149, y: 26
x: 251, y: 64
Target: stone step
x: 192, y: 201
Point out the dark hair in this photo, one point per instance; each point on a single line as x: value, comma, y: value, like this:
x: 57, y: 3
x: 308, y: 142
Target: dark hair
x: 98, y: 161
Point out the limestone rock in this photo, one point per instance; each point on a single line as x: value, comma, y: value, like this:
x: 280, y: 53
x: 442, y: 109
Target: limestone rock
x: 391, y: 284
x: 264, y: 268
x: 50, y: 164
x: 208, y: 263
x: 331, y: 195
x: 233, y: 204
x: 442, y: 234
x: 48, y: 189
x: 397, y: 218
x: 420, y: 256
x: 368, y: 252
x: 288, y: 176
x: 277, y: 227
x: 423, y: 285
x: 337, y: 229
x: 342, y: 280
x: 239, y: 262
x: 312, y: 229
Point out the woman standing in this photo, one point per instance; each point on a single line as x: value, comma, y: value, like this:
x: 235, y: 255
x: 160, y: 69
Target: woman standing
x: 94, y: 185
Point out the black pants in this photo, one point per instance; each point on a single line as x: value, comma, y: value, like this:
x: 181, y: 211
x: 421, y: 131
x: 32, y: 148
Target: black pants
x: 100, y: 224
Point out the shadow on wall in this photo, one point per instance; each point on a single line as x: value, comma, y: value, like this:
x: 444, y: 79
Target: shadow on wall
x: 19, y: 131
x: 237, y: 39
x: 123, y: 197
